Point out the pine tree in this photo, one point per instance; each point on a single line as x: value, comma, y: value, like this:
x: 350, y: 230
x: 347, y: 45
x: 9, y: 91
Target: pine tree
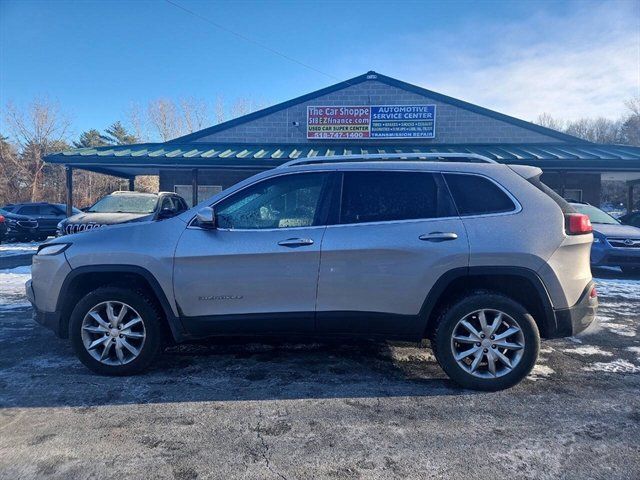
x: 92, y: 138
x: 118, y: 135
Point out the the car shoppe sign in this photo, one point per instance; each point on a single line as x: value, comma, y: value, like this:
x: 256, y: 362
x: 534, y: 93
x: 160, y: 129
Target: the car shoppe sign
x: 371, y: 121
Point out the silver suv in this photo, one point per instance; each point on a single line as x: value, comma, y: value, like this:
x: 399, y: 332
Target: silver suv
x: 480, y: 258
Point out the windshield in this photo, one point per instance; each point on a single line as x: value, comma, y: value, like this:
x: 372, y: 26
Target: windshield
x: 595, y: 214
x: 125, y: 204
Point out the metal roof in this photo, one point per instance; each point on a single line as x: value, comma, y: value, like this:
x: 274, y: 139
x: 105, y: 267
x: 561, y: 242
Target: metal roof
x: 149, y: 158
x: 394, y: 82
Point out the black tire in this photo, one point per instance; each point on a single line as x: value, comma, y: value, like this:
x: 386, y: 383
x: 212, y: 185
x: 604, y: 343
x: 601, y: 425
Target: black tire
x: 152, y: 321
x: 442, y: 342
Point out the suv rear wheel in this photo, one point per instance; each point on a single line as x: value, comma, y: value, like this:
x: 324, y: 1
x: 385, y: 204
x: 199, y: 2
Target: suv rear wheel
x: 115, y: 331
x: 486, y: 341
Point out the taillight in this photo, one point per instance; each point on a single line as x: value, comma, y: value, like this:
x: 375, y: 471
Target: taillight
x: 593, y: 293
x: 1, y: 219
x: 577, y: 224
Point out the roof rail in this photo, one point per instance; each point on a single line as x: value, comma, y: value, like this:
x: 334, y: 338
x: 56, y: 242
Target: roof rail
x: 413, y: 156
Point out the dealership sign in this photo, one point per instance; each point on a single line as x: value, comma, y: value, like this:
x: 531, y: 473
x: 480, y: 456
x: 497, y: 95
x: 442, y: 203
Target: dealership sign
x: 371, y: 121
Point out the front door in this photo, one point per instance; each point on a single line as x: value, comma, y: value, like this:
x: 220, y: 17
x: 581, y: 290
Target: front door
x: 257, y: 272
x: 397, y: 233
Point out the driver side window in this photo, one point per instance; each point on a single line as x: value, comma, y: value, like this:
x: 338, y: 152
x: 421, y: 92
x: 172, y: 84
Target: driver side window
x: 282, y: 202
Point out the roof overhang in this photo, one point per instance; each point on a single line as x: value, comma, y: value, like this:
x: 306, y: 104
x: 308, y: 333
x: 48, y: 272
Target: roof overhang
x: 151, y: 158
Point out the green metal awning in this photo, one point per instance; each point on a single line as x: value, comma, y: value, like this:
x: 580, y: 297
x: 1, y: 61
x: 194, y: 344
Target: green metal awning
x: 150, y: 158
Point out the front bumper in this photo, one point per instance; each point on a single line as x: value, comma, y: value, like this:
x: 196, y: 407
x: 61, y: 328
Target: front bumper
x: 605, y: 255
x: 573, y: 320
x: 50, y: 320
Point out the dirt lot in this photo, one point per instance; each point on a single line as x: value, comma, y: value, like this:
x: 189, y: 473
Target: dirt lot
x: 321, y: 411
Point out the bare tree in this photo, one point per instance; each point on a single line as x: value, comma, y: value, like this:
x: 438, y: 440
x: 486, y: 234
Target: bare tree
x: 631, y: 126
x: 164, y: 118
x: 135, y: 116
x: 195, y: 113
x: 38, y: 130
x: 546, y: 120
x: 220, y: 113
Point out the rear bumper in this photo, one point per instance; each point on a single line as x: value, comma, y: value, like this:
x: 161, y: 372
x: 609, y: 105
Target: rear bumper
x: 573, y: 320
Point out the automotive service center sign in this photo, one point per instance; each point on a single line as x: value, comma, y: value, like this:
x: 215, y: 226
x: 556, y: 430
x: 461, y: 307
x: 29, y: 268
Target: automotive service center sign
x: 371, y: 121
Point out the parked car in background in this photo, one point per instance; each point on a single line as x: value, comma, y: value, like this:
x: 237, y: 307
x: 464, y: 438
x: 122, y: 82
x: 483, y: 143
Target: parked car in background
x: 394, y: 250
x: 3, y: 228
x: 614, y: 244
x: 47, y: 215
x: 124, y: 207
x: 632, y: 219
x: 18, y: 228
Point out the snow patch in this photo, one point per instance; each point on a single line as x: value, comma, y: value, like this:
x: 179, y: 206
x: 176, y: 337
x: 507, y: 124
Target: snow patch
x: 635, y: 350
x: 620, y: 329
x: 12, y: 291
x: 588, y: 350
x: 617, y: 366
x: 610, y: 287
x: 540, y: 371
x: 11, y: 249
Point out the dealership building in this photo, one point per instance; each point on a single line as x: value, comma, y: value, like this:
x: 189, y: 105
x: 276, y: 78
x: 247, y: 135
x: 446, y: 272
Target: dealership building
x: 371, y: 113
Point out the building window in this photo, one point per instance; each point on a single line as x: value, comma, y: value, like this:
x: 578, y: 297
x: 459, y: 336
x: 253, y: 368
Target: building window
x: 204, y: 192
x: 573, y: 194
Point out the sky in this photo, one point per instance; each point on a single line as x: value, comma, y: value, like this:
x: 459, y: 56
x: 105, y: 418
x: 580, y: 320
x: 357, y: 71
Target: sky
x: 570, y: 59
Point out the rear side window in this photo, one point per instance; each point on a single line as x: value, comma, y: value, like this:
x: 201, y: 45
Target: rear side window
x: 562, y: 203
x: 476, y: 195
x: 388, y: 196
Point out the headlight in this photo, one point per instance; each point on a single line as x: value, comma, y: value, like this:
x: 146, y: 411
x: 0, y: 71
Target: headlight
x: 53, y: 249
x: 60, y: 225
x: 10, y: 222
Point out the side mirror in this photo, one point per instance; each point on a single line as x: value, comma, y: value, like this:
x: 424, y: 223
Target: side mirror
x: 206, y: 218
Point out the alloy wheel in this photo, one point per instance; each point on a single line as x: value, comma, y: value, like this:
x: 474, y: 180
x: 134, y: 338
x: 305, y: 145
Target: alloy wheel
x: 113, y: 333
x: 487, y: 343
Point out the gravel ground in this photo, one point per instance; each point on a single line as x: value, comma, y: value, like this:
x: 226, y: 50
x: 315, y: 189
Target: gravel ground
x: 361, y: 410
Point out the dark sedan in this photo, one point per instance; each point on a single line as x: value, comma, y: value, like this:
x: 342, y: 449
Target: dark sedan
x: 15, y: 227
x: 46, y: 215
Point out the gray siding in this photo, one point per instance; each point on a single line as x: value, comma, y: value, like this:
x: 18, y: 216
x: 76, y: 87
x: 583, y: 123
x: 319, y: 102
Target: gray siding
x: 453, y: 124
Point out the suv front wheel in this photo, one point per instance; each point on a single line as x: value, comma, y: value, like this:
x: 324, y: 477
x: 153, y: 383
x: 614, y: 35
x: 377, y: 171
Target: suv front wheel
x: 486, y: 341
x: 115, y: 331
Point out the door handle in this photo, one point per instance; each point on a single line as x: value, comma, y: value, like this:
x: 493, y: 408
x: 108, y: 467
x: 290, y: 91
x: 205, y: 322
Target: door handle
x: 438, y: 236
x: 295, y: 242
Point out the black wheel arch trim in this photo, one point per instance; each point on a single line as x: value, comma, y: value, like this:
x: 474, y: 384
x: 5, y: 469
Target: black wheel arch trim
x: 548, y: 324
x: 174, y: 322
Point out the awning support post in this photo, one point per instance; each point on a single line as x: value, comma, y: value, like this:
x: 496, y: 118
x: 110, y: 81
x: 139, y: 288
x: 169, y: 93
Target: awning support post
x: 132, y: 184
x: 69, y: 182
x: 563, y: 181
x: 194, y: 186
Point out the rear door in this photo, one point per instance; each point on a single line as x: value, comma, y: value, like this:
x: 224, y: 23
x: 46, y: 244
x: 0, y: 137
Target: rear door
x: 395, y: 235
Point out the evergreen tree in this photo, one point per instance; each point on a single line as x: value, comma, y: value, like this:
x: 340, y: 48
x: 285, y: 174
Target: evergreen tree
x: 92, y: 138
x: 119, y: 135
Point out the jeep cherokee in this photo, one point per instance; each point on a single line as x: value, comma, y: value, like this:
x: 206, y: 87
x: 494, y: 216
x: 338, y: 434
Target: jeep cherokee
x: 480, y: 258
